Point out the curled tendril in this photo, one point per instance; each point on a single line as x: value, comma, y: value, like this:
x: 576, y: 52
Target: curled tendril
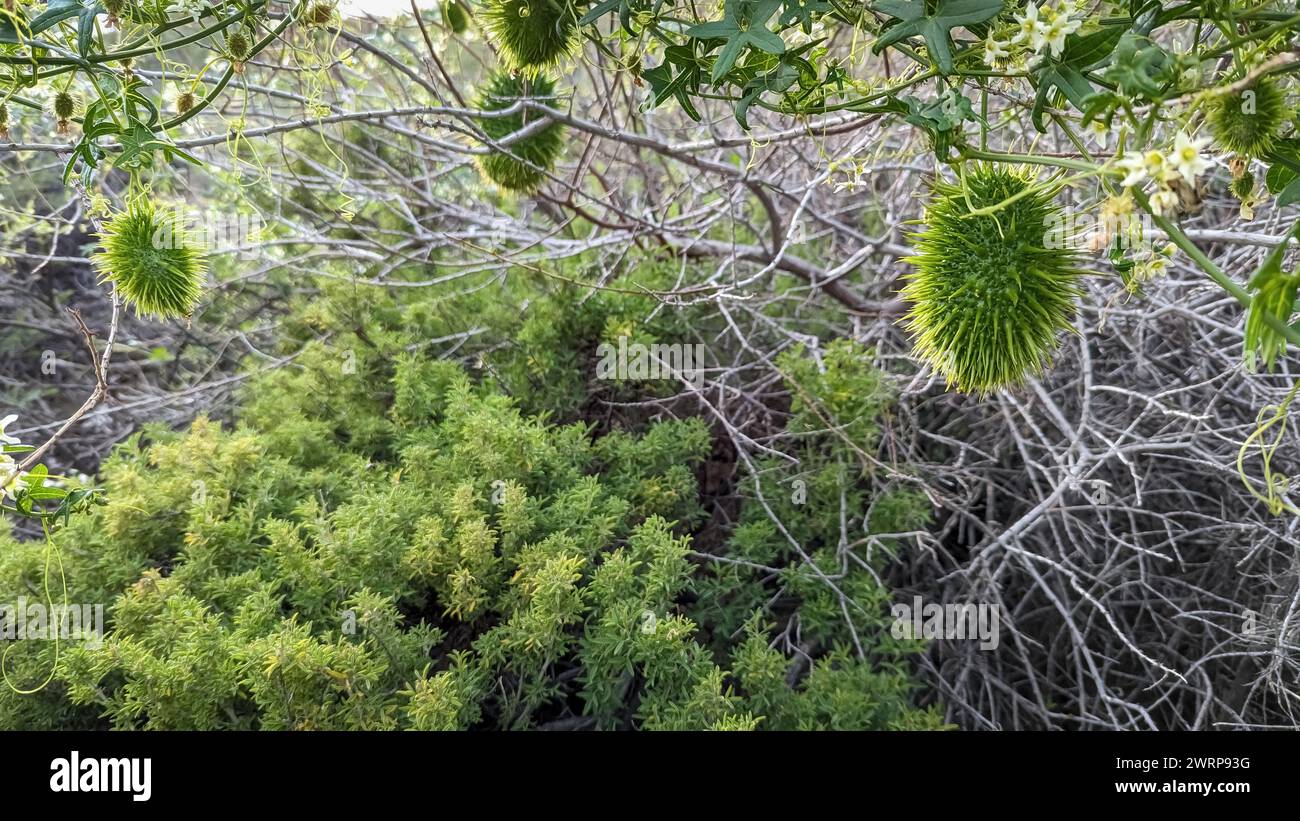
x: 1274, y: 485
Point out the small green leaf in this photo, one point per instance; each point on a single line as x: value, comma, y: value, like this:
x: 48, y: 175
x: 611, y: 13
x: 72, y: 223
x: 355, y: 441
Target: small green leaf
x: 55, y: 12
x: 1289, y: 195
x: 86, y: 28
x: 1084, y: 52
x: 804, y: 12
x: 935, y: 29
x: 1284, y: 165
x: 1138, y: 67
x: 598, y: 11
x: 744, y: 24
x: 1069, y: 81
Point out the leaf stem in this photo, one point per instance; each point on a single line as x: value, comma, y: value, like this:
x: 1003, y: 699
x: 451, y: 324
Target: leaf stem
x: 1227, y: 283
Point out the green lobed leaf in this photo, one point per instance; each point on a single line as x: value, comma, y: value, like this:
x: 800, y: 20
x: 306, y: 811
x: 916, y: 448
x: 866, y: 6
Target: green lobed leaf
x: 935, y: 28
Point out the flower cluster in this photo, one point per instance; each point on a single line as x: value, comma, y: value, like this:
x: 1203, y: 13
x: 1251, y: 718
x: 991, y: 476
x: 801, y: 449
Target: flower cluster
x: 1184, y: 163
x: 855, y: 174
x: 194, y: 9
x: 1149, y: 263
x: 1117, y: 221
x: 10, y: 476
x: 1041, y: 29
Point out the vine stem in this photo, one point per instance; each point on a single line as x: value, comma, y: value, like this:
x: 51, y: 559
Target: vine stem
x: 101, y: 382
x: 99, y: 362
x: 1227, y: 283
x: 1030, y: 159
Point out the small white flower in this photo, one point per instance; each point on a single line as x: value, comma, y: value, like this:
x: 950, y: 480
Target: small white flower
x: 1054, y: 36
x: 193, y: 9
x: 1031, y: 28
x: 1158, y: 167
x: 6, y: 439
x: 1148, y: 264
x: 10, y: 479
x: 851, y: 181
x: 1100, y: 133
x: 995, y: 51
x: 1135, y: 167
x: 1187, y: 158
x: 1164, y: 201
x: 1140, y: 165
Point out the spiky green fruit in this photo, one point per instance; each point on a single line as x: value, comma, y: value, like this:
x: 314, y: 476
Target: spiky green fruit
x: 456, y: 15
x: 522, y: 165
x: 238, y: 46
x: 320, y: 14
x: 1243, y: 187
x: 532, y: 33
x: 152, y: 261
x: 65, y: 105
x: 1248, y: 122
x: 990, y: 292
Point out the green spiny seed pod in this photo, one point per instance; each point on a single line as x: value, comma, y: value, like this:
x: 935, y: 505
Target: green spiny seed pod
x: 152, y: 261
x: 1243, y: 186
x: 1248, y: 121
x: 320, y: 14
x: 185, y: 102
x: 522, y: 165
x: 65, y: 106
x: 4, y: 122
x: 455, y: 15
x: 990, y: 291
x: 238, y: 47
x: 534, y: 33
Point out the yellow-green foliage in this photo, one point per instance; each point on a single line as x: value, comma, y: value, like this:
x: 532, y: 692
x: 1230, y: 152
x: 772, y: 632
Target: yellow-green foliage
x: 385, y: 542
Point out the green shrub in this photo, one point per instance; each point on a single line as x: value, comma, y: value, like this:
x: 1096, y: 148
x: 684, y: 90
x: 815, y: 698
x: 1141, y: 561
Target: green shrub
x: 384, y: 542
